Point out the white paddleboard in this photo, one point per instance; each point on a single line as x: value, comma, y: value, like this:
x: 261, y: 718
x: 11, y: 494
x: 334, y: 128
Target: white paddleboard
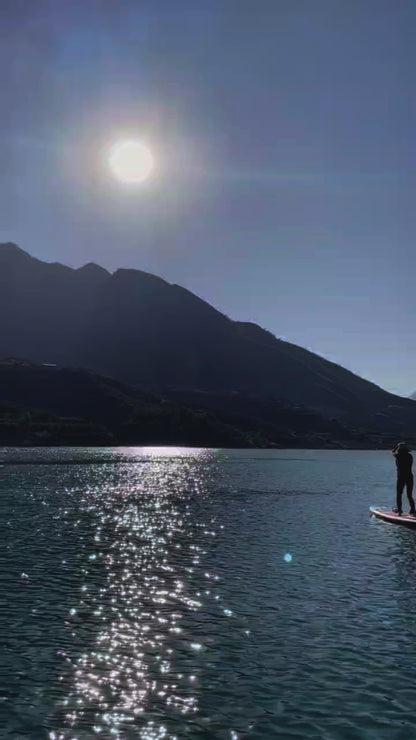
x: 388, y: 515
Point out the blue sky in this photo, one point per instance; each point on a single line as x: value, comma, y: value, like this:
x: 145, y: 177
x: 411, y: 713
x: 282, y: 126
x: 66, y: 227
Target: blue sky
x: 284, y: 139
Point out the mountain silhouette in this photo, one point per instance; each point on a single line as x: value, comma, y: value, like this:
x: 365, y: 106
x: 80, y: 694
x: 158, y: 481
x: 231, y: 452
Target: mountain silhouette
x: 49, y: 405
x: 142, y: 330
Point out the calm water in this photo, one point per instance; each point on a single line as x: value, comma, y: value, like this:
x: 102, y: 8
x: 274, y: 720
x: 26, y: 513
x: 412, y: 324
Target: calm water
x: 177, y: 593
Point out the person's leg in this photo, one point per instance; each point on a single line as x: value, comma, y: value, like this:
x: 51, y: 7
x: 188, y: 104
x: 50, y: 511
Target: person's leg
x: 399, y: 493
x: 409, y: 490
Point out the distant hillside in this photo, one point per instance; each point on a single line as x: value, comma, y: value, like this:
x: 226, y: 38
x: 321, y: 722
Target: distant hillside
x: 48, y: 405
x: 51, y: 405
x: 300, y: 426
x: 141, y: 330
x: 20, y: 425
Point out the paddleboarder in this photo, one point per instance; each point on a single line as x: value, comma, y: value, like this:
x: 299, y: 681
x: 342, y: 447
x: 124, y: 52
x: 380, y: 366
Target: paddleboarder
x: 404, y: 462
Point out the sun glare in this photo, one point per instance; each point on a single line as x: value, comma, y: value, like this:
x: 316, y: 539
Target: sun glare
x: 131, y: 161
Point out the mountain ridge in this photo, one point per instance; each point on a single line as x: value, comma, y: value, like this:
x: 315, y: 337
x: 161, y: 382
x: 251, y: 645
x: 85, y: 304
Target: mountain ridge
x: 262, y: 335
x: 142, y: 330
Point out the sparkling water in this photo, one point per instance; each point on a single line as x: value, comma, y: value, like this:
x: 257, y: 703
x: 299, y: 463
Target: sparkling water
x: 179, y: 593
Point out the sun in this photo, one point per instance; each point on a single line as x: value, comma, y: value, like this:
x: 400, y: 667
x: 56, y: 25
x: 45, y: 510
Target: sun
x: 131, y: 161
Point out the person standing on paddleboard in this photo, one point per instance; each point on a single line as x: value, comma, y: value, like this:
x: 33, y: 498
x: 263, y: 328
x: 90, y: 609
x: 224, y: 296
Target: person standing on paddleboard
x: 404, y: 462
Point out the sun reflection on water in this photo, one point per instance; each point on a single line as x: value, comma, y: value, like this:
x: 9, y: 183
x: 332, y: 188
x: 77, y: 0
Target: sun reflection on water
x: 141, y: 662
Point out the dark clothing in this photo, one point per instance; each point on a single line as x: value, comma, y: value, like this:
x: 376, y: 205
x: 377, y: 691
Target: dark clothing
x: 404, y: 461
x: 409, y: 490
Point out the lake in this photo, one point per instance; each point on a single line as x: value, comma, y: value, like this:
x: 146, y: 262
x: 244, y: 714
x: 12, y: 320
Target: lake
x: 160, y: 593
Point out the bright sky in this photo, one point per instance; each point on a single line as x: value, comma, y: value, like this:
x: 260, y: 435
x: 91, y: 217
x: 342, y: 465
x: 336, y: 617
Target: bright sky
x: 283, y: 139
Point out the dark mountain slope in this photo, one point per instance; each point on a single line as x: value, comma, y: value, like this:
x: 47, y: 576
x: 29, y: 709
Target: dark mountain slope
x: 49, y: 405
x: 140, y: 329
x: 290, y: 425
x: 43, y: 306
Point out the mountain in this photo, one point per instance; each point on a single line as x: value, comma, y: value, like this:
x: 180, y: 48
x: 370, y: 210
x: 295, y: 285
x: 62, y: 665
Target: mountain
x: 48, y: 405
x: 43, y: 306
x: 143, y: 331
x: 51, y: 405
x: 413, y: 396
x: 20, y: 425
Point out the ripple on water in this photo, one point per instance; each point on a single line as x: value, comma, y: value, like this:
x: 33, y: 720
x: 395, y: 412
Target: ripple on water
x: 172, y: 594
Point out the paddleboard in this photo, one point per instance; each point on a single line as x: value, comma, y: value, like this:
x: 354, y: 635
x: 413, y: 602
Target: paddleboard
x: 389, y: 516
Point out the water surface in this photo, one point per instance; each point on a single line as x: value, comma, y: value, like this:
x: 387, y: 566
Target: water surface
x: 175, y: 593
